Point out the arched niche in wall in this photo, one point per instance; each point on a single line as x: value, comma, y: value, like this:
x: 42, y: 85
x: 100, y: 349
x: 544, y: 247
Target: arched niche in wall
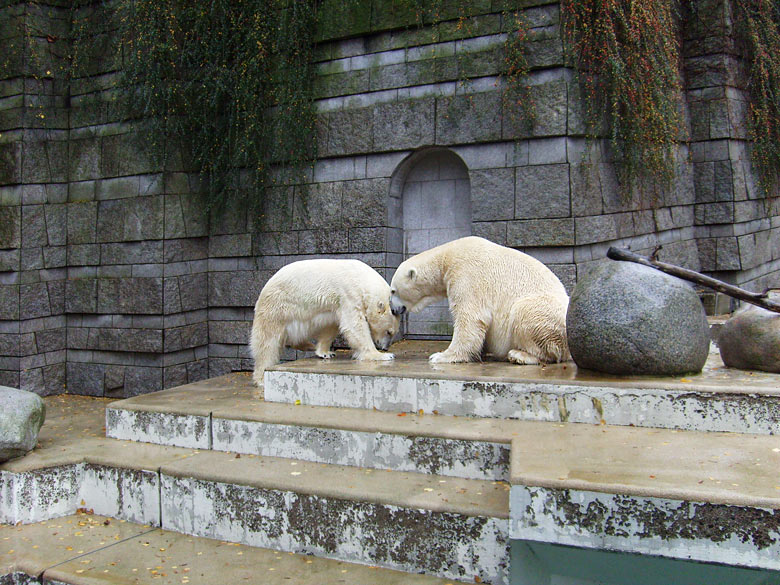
x: 430, y: 202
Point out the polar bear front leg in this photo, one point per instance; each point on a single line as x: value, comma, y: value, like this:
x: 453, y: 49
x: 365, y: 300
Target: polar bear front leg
x: 355, y: 328
x: 325, y: 341
x: 468, y: 336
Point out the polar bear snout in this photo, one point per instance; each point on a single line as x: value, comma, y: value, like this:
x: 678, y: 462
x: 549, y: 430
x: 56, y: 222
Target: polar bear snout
x: 396, y: 305
x: 383, y: 344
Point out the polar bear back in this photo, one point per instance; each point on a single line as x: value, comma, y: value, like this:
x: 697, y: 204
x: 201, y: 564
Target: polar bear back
x: 497, y: 272
x: 328, y: 284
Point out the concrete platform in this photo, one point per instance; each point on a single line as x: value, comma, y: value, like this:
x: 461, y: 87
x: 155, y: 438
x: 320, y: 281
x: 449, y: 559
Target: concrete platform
x: 87, y: 549
x: 717, y: 399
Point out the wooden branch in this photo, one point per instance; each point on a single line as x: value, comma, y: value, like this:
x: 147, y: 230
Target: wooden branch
x: 758, y: 299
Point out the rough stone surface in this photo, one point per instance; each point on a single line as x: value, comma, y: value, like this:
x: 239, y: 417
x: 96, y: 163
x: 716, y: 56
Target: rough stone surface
x: 628, y: 319
x: 750, y: 340
x: 21, y: 417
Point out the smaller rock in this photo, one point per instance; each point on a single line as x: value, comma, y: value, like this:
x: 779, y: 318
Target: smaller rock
x: 21, y: 417
x: 750, y: 340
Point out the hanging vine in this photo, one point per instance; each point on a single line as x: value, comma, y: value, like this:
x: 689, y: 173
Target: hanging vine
x: 226, y: 83
x: 759, y: 25
x: 627, y: 56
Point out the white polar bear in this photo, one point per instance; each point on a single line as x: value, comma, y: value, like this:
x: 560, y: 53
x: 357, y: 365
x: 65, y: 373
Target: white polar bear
x: 501, y: 300
x: 317, y: 299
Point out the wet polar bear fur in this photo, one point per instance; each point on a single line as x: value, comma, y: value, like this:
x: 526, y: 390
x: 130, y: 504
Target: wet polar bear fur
x: 502, y: 301
x: 318, y: 299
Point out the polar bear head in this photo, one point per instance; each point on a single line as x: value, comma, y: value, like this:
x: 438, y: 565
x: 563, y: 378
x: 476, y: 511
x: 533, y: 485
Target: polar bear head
x: 415, y: 285
x: 382, y: 323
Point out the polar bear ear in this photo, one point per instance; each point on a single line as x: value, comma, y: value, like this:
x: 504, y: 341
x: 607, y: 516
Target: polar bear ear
x: 412, y: 274
x: 380, y: 307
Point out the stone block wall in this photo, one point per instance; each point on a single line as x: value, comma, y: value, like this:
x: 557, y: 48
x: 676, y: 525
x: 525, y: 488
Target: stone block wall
x: 114, y: 282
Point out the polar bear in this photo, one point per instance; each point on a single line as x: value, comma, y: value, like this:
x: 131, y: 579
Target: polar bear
x: 318, y: 299
x: 501, y: 300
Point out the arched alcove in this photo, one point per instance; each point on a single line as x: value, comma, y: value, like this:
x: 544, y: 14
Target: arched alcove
x: 431, y: 195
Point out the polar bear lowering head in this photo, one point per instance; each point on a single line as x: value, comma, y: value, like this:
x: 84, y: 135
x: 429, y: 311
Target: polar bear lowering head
x: 416, y: 284
x: 382, y: 323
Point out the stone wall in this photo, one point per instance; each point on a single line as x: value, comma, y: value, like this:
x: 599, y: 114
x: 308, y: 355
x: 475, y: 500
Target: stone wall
x: 114, y: 282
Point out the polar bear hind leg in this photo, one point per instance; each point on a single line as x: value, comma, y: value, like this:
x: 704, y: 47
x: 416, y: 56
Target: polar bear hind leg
x: 538, y: 331
x: 266, y: 342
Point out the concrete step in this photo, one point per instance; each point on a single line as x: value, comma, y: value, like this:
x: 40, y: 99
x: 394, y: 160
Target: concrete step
x: 717, y: 399
x: 710, y: 497
x: 89, y: 549
x: 228, y: 414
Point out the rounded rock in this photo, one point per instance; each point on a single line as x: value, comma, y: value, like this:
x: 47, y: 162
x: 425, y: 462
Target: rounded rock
x: 626, y: 319
x: 21, y: 418
x: 750, y: 340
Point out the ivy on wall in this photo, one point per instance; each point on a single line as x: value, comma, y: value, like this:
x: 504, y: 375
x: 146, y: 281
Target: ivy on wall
x: 759, y: 23
x: 226, y: 83
x: 627, y: 57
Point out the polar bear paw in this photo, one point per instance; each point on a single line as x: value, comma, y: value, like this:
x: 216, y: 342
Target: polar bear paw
x: 522, y: 358
x: 326, y: 355
x: 376, y: 356
x: 442, y: 357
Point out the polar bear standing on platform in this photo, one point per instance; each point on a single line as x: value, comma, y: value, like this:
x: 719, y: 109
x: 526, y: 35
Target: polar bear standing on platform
x: 501, y: 300
x: 318, y: 299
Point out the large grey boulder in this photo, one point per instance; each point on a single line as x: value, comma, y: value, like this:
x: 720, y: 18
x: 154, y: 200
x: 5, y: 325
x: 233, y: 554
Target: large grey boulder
x: 626, y: 319
x: 750, y: 340
x: 21, y: 415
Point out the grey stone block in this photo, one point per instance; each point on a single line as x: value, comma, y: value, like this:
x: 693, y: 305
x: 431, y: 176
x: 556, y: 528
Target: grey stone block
x: 84, y: 159
x: 81, y: 295
x: 119, y: 188
x: 123, y: 154
x: 34, y: 301
x: 492, y: 194
x: 185, y: 216
x: 83, y: 254
x: 230, y: 245
x: 403, y: 125
x: 21, y: 418
x: 185, y: 249
x: 10, y: 227
x: 85, y: 378
x: 320, y: 205
x: 10, y: 163
x: 233, y: 289
x: 598, y: 228
x: 236, y: 332
x: 370, y: 197
x: 542, y: 191
x: 714, y: 213
x: 141, y: 296
x: 10, y: 260
x: 140, y: 218
x: 466, y: 119
x: 132, y: 252
x: 50, y: 340
x: 349, y: 132
x: 82, y: 222
x: 193, y: 291
x: 323, y: 241
x: 541, y: 232
x: 187, y: 337
x: 495, y: 231
x: 628, y: 319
